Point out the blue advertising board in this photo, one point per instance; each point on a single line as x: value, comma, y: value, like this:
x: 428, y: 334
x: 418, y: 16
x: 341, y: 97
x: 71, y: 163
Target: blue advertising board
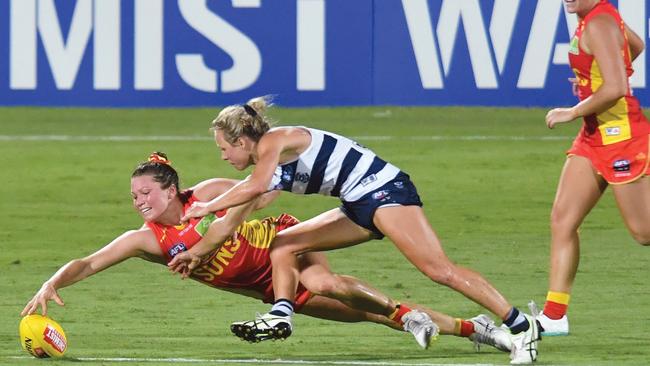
x: 164, y: 53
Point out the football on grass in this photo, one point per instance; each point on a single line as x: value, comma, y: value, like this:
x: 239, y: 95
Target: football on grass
x: 42, y: 337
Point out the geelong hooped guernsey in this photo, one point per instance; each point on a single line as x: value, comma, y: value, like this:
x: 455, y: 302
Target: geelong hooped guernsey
x: 333, y: 165
x: 625, y: 119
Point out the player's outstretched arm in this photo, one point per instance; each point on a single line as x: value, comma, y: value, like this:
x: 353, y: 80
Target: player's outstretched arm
x: 129, y: 244
x: 242, y: 193
x: 255, y: 185
x: 219, y: 231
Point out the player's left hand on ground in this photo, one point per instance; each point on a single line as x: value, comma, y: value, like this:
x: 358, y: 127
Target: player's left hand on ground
x: 184, y: 263
x: 45, y: 294
x: 559, y: 115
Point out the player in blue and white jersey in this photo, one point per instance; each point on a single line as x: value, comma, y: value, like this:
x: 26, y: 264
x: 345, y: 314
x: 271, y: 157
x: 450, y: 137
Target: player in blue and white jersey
x: 378, y: 200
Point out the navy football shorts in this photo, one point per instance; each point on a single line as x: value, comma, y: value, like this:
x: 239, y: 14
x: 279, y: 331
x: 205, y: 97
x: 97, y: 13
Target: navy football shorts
x: 398, y: 192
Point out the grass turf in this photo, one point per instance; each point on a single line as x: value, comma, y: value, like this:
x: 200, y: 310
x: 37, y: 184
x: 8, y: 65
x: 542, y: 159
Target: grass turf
x: 487, y: 177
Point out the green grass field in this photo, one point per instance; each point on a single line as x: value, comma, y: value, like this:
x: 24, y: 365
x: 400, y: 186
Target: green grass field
x: 487, y: 178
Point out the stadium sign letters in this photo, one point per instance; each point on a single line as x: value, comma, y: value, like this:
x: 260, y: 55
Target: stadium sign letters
x: 308, y: 52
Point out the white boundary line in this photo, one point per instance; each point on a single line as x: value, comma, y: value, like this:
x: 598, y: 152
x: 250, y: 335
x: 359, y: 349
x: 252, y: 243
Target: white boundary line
x: 255, y: 361
x: 72, y: 138
x: 67, y: 138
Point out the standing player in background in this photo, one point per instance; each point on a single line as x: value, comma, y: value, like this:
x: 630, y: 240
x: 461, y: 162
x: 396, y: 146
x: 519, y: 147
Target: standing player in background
x: 377, y: 199
x: 611, y: 148
x: 241, y: 264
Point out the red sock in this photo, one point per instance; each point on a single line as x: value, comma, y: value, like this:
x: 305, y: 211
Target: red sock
x: 466, y: 328
x: 400, y: 310
x: 554, y: 310
x: 556, y: 304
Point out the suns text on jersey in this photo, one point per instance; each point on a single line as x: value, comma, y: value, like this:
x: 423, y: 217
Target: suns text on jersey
x: 218, y: 262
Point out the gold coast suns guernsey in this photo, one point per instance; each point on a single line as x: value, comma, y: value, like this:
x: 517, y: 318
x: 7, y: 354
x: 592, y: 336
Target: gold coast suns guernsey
x: 241, y: 262
x: 624, y: 120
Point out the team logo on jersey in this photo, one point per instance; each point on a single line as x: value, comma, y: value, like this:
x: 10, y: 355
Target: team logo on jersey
x: 286, y: 177
x: 398, y: 184
x: 622, y: 165
x: 202, y: 226
x: 381, y: 195
x: 613, y: 131
x: 574, y: 46
x: 302, y: 177
x: 367, y: 180
x: 177, y: 248
x: 287, y: 174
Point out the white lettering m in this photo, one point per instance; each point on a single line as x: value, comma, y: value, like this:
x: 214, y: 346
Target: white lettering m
x: 64, y: 57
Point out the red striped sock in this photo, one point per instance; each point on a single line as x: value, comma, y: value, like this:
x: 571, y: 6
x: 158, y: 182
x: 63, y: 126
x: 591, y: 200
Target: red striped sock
x: 466, y: 328
x: 556, y: 304
x: 400, y: 310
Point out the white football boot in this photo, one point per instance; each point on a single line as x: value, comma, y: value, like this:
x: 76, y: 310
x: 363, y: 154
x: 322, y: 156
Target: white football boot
x: 264, y: 327
x: 524, y: 344
x: 553, y: 327
x: 485, y: 332
x: 421, y: 326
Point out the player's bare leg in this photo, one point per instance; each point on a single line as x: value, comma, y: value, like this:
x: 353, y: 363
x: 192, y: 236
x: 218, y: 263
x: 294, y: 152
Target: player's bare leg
x: 633, y: 201
x: 579, y: 189
x: 331, y: 309
x: 412, y: 234
x: 316, y: 277
x: 410, y: 231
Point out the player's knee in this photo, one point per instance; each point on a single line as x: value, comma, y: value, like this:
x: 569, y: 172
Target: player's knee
x: 562, y: 224
x: 281, y: 249
x: 284, y: 246
x: 640, y: 231
x: 329, y: 286
x: 442, y: 274
x: 642, y: 237
x: 276, y: 253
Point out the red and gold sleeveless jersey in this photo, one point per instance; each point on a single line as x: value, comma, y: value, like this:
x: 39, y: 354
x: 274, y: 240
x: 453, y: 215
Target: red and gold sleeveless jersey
x: 241, y: 262
x: 624, y: 120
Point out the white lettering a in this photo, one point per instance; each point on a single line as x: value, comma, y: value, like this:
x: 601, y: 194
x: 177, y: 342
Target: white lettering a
x: 502, y: 25
x: 633, y: 13
x: 540, y: 44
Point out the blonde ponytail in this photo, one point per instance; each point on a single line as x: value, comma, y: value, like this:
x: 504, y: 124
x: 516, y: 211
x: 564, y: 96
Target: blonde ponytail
x: 244, y: 120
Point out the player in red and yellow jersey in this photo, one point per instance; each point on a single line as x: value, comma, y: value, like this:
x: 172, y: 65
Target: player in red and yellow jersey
x: 611, y: 148
x: 241, y: 262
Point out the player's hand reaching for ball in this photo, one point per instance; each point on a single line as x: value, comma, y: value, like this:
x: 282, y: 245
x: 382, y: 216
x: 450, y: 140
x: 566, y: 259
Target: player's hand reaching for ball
x: 184, y: 263
x: 45, y: 294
